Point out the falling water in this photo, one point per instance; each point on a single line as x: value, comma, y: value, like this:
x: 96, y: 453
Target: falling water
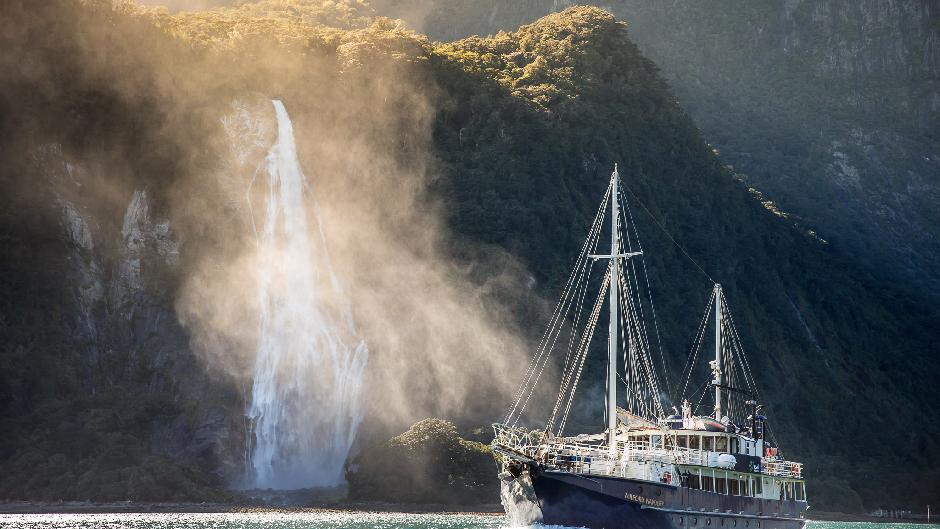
x: 304, y: 408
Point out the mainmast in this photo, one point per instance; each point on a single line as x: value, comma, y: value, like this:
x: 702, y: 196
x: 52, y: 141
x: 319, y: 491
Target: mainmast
x: 716, y: 364
x: 614, y: 308
x: 614, y: 314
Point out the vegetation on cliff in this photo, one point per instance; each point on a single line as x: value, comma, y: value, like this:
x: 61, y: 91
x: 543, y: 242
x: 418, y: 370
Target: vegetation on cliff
x: 429, y: 463
x: 524, y: 174
x: 830, y: 107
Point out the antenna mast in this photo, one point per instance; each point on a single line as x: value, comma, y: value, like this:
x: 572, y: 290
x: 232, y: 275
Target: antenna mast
x: 716, y: 363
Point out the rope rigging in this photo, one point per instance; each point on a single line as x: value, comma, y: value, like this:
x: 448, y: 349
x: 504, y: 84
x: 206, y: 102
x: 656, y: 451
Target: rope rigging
x: 636, y: 367
x: 664, y: 230
x: 556, y: 323
x: 738, y: 379
x: 641, y: 377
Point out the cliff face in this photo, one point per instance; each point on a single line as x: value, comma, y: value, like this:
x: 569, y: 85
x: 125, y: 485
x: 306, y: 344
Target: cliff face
x: 101, y: 399
x: 831, y: 108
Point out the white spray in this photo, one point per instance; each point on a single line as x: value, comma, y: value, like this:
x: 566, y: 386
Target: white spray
x: 305, y: 406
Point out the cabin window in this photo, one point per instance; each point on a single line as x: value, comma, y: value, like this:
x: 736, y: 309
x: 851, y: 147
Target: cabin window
x: 683, y: 441
x: 757, y: 488
x: 721, y: 444
x: 721, y: 486
x: 694, y: 442
x: 708, y: 443
x: 733, y: 487
x: 694, y: 481
x: 670, y: 442
x: 708, y: 484
x: 734, y: 445
x: 788, y: 488
x: 656, y: 441
x: 800, y: 491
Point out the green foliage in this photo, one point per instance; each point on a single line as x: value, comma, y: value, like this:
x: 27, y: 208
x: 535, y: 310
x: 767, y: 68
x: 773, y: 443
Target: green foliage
x: 529, y: 143
x: 430, y: 463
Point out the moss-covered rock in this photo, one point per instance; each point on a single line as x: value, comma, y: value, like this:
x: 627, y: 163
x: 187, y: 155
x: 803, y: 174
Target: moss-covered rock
x: 430, y: 463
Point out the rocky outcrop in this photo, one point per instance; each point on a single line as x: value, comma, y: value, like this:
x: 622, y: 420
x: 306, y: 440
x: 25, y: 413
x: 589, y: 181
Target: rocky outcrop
x: 119, y: 273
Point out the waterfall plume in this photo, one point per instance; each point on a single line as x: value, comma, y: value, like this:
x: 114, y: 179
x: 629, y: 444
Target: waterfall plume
x: 304, y: 407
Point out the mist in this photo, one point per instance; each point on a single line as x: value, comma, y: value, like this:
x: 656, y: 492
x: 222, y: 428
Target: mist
x: 441, y: 340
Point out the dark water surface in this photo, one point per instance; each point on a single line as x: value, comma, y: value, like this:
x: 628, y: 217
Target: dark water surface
x: 307, y: 520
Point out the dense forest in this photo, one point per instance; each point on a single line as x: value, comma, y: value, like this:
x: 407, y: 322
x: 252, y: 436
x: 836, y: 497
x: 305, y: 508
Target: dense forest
x: 831, y: 108
x: 106, y: 392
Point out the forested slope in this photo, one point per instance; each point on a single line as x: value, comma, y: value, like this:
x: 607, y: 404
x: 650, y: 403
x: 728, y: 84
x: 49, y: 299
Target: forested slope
x: 831, y: 108
x: 819, y: 328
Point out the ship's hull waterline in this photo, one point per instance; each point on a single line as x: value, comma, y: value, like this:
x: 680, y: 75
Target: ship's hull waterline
x: 604, y: 502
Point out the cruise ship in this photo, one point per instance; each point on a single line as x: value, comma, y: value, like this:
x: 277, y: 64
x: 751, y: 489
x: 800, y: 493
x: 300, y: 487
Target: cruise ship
x: 712, y: 463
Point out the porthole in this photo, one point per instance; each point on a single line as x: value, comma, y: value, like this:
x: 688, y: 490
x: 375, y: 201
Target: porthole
x: 758, y: 524
x: 708, y: 521
x: 639, y: 490
x: 694, y: 521
x: 734, y: 523
x: 659, y: 492
x: 680, y: 520
x: 747, y: 523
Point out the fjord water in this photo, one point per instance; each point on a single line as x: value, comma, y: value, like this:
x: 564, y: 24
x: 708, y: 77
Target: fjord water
x: 304, y: 409
x: 312, y: 520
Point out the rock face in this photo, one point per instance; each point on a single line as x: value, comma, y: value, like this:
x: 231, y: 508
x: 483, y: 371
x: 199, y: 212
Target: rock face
x: 113, y: 275
x: 829, y: 107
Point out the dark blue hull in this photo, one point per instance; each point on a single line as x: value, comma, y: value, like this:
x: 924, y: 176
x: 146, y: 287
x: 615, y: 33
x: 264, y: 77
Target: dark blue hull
x: 600, y: 502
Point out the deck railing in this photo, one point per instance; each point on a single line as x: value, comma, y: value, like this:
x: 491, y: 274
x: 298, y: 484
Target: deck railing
x: 595, y: 458
x: 781, y: 468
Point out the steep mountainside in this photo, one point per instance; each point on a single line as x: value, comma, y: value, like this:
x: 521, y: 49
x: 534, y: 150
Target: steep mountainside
x: 126, y: 135
x: 831, y: 108
x: 597, y: 100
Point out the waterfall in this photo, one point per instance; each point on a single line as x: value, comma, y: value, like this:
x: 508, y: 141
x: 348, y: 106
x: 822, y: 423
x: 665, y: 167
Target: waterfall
x: 304, y: 409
